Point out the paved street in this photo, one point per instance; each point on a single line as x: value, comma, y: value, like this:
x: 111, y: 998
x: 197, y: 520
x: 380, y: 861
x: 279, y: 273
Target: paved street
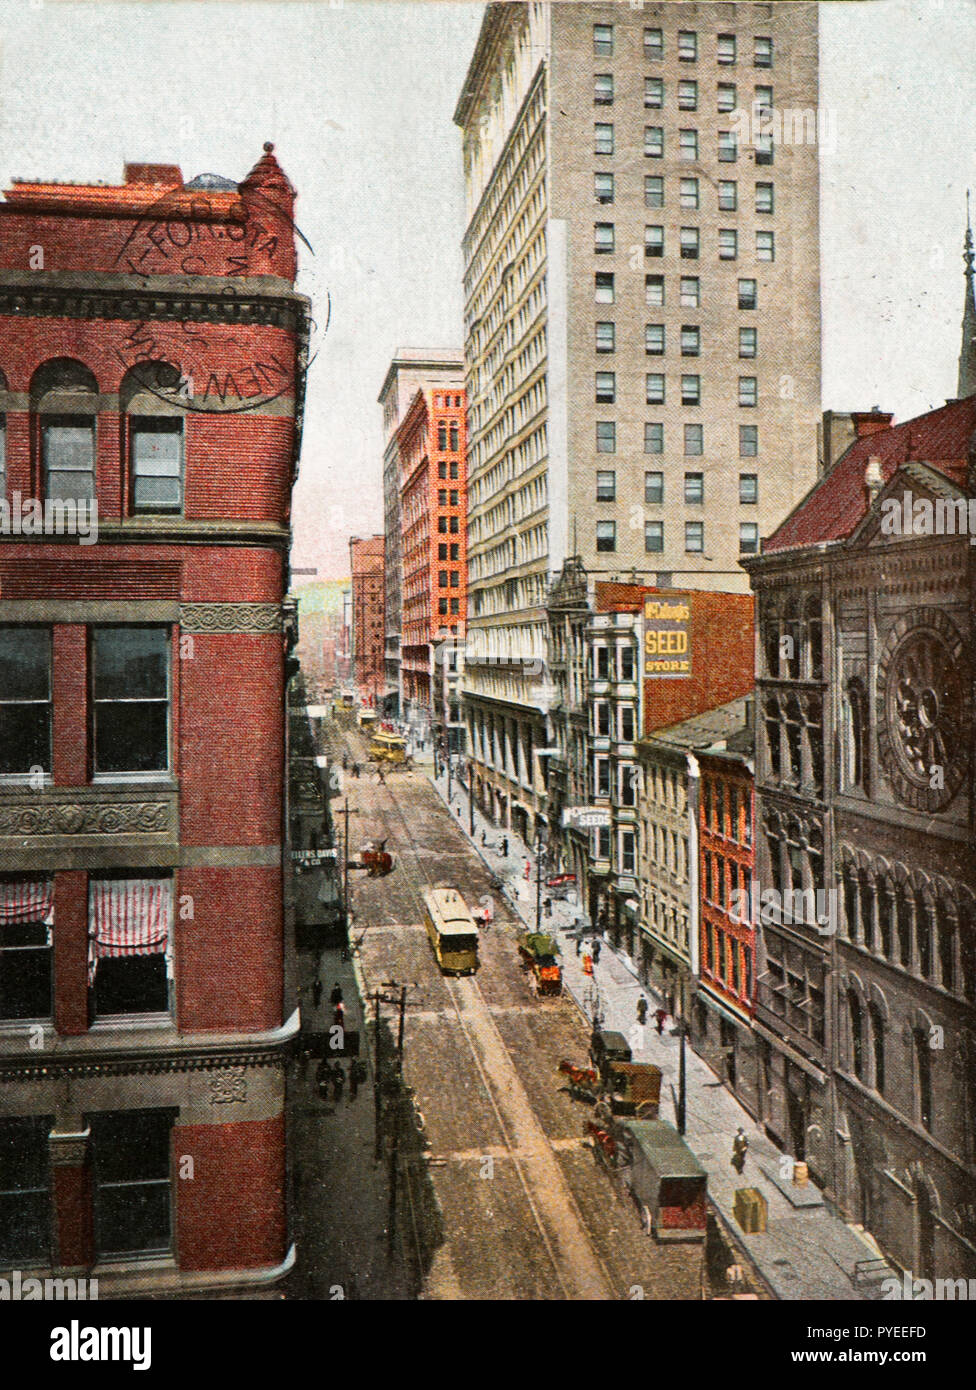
x: 807, y: 1252
x: 499, y: 1197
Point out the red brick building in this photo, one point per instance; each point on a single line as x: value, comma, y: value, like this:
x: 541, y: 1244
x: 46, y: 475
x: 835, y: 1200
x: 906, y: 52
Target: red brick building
x: 150, y: 360
x: 367, y: 621
x: 433, y: 519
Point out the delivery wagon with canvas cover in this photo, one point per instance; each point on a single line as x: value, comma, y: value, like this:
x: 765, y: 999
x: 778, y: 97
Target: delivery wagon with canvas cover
x: 667, y: 1183
x: 538, y: 953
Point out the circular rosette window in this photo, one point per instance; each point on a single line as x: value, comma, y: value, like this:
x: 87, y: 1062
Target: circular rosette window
x: 923, y: 680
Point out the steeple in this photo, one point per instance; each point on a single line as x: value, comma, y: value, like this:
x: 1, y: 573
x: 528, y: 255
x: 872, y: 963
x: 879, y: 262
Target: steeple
x: 967, y: 357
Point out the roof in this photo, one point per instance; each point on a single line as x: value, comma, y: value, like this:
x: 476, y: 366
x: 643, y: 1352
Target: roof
x: 706, y: 732
x: 665, y: 1149
x: 836, y: 505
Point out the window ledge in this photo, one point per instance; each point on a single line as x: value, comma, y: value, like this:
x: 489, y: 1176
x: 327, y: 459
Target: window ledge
x: 131, y: 1022
x: 134, y: 779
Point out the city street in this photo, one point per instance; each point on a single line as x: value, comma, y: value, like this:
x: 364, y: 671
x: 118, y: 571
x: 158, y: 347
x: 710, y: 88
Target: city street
x: 499, y: 1195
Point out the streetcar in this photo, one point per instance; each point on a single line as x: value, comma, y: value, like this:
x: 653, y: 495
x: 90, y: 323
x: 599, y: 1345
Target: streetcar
x: 388, y: 748
x: 451, y: 930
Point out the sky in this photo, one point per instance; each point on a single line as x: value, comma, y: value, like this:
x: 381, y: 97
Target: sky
x: 358, y: 99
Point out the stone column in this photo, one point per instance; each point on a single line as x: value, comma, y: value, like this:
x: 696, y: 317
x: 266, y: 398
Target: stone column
x: 69, y: 1151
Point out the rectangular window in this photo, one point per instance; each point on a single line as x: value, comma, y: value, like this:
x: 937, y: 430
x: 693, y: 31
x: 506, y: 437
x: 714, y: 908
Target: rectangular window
x: 603, y: 40
x: 602, y: 713
x: 763, y: 101
x: 654, y: 339
x: 26, y: 922
x: 653, y: 44
x: 654, y: 386
x: 764, y: 197
x: 25, y: 1198
x: 748, y: 538
x: 654, y: 439
x: 748, y: 390
x: 442, y: 469
x: 606, y: 337
x: 453, y: 468
x: 690, y: 340
x: 442, y: 552
x: 728, y: 147
x: 454, y: 552
x: 747, y: 294
x: 653, y: 92
x: 606, y: 388
x: 455, y: 605
x: 694, y: 487
x: 727, y: 195
x: 130, y: 698
x: 25, y: 699
x: 764, y: 149
x: 626, y: 663
x: 654, y: 291
x: 602, y: 138
x: 689, y: 194
x: 726, y: 49
x: 603, y: 287
x: 603, y: 241
x: 606, y: 487
x: 728, y: 244
x: 694, y: 440
x: 442, y: 525
x: 687, y: 46
x: 653, y: 537
x: 442, y: 497
x: 747, y: 342
x: 727, y: 97
x: 765, y: 246
x: 628, y: 860
x: 129, y: 922
x: 603, y: 187
x: 131, y: 1170
x: 157, y: 464
x: 653, y: 241
x: 689, y: 243
x: 653, y: 141
x: 606, y: 437
x: 69, y: 457
x: 603, y: 89
x: 748, y: 441
x: 454, y: 438
x: 653, y: 191
x: 603, y: 776
x: 441, y: 435
x: 453, y: 526
x: 442, y: 577
x: 690, y: 292
x: 687, y: 96
x: 691, y: 390
x: 442, y: 607
x: 606, y: 535
x: 654, y: 488
x: 763, y: 52
x: 748, y: 488
x: 688, y: 144
x: 694, y: 537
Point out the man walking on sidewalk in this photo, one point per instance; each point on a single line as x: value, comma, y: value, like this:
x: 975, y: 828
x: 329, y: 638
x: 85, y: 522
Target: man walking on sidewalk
x: 596, y: 951
x: 316, y: 992
x: 740, y: 1145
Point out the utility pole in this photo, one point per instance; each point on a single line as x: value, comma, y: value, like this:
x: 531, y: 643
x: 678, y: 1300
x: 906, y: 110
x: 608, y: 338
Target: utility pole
x: 538, y: 880
x: 395, y: 1149
x: 447, y: 759
x: 471, y: 798
x: 346, y: 813
x: 682, y: 1076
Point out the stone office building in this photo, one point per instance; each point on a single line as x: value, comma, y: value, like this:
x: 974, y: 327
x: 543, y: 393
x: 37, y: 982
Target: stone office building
x: 144, y: 1012
x: 866, y: 1007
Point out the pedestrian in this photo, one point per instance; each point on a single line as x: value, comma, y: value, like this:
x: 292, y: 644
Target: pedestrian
x: 489, y: 913
x: 339, y: 1016
x: 659, y: 1017
x: 642, y: 1011
x: 336, y: 996
x: 316, y: 992
x: 504, y: 846
x: 587, y: 963
x: 579, y: 944
x: 345, y: 762
x: 547, y: 907
x: 528, y: 871
x: 484, y: 838
x: 355, y: 770
x: 740, y: 1145
x: 323, y: 1075
x: 338, y: 1082
x: 596, y: 952
x: 457, y: 810
x: 379, y: 773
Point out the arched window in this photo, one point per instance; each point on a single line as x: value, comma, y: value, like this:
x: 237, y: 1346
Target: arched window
x: 794, y: 739
x: 770, y: 640
x: 790, y: 647
x: 771, y: 724
x: 923, y: 1075
x: 64, y: 408
x: 856, y: 1018
x: 854, y: 745
x: 152, y: 437
x: 903, y: 921
x: 945, y: 932
x: 923, y: 938
x: 877, y: 1046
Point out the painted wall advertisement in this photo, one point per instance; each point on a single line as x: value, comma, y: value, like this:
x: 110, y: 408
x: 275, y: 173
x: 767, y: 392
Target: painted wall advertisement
x: 667, y: 644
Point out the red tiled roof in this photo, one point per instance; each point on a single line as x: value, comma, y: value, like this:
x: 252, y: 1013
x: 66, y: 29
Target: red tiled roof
x: 838, y: 502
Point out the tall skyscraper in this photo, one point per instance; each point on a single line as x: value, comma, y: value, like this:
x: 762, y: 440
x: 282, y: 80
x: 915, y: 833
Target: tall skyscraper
x: 642, y: 328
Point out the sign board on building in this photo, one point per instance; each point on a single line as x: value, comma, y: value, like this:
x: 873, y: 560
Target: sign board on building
x: 311, y: 858
x: 586, y: 817
x: 667, y: 642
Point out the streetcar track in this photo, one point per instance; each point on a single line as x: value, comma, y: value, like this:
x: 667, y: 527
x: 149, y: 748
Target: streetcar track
x: 453, y: 990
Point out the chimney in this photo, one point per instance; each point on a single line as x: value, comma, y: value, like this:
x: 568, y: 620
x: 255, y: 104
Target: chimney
x: 873, y: 479
x: 871, y: 421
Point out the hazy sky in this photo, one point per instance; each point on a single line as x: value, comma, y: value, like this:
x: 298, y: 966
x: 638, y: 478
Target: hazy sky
x: 358, y: 98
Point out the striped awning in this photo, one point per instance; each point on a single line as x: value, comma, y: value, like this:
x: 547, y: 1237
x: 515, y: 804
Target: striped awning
x: 27, y: 900
x: 127, y: 917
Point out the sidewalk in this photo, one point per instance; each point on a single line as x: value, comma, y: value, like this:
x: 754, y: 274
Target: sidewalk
x: 806, y: 1252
